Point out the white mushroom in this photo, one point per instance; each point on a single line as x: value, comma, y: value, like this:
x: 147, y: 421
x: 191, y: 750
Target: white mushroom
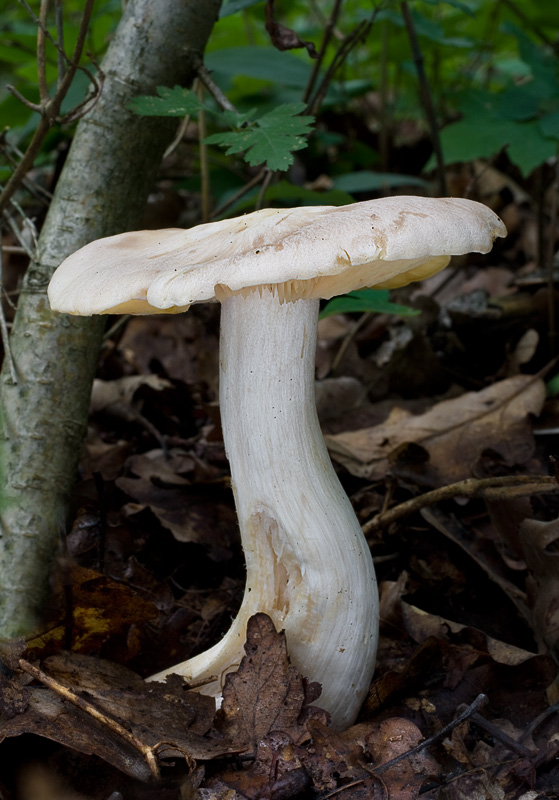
x: 308, y: 564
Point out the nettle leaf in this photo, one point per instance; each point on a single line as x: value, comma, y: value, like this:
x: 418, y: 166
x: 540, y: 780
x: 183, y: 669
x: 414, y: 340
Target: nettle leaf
x: 366, y: 300
x: 175, y: 102
x: 271, y: 139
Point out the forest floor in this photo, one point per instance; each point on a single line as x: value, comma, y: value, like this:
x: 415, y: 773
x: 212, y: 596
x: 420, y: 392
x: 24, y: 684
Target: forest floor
x: 152, y: 571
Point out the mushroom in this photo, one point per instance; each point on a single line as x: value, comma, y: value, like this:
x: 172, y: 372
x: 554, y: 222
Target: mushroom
x: 308, y: 564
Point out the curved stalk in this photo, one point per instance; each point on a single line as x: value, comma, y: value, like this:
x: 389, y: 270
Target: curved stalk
x: 308, y: 563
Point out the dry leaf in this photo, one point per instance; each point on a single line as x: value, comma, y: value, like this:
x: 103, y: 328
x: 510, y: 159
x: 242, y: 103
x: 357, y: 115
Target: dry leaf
x: 199, y: 513
x: 153, y: 712
x: 404, y: 779
x: 266, y: 693
x: 115, y: 397
x: 540, y: 543
x: 284, y: 38
x: 453, y: 434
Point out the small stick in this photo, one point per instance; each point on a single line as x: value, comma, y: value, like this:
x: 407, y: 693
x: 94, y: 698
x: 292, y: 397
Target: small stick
x: 263, y: 189
x: 490, y: 488
x: 41, y: 54
x: 241, y: 193
x: 496, y: 732
x: 83, y: 705
x: 206, y: 79
x: 478, y: 703
x: 328, y: 33
x: 425, y: 96
x: 203, y: 155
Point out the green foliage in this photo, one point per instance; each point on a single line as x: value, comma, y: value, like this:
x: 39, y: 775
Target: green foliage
x: 175, y: 102
x: 366, y: 300
x: 552, y: 386
x: 262, y: 63
x: 368, y: 181
x: 522, y: 118
x: 18, y: 59
x: 232, y: 6
x: 490, y: 70
x: 270, y: 139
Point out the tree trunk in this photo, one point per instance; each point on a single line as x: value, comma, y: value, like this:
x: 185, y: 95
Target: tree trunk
x: 110, y: 168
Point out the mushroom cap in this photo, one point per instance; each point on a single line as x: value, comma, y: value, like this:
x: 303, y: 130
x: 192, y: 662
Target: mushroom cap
x: 312, y: 251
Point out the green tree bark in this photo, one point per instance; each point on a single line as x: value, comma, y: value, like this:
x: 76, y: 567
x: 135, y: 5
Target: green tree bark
x: 103, y: 188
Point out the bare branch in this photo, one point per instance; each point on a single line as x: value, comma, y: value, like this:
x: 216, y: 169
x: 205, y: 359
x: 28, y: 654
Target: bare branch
x: 41, y: 54
x: 328, y: 33
x: 500, y: 488
x: 426, y: 96
x: 206, y: 78
x: 49, y: 108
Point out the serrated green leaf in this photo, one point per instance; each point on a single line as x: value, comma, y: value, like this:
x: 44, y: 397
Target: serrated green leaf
x: 366, y: 300
x: 175, y: 102
x: 271, y: 139
x: 236, y: 120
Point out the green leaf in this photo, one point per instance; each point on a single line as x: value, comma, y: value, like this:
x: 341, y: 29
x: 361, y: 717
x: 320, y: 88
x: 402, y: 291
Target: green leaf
x: 549, y: 125
x: 262, y: 63
x: 233, y: 6
x: 469, y: 139
x: 175, y: 102
x: 541, y: 60
x: 454, y: 3
x: 369, y: 181
x: 236, y: 120
x: 552, y: 386
x: 285, y: 192
x: 366, y: 300
x: 271, y: 139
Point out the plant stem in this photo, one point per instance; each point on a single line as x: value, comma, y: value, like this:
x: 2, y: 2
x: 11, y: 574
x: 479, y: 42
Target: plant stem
x: 426, y: 97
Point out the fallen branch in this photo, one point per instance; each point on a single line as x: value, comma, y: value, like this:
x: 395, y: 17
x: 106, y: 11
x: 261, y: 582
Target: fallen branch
x: 502, y: 488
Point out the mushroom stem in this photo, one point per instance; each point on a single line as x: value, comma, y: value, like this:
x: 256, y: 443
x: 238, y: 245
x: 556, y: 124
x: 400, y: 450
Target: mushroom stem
x: 308, y: 564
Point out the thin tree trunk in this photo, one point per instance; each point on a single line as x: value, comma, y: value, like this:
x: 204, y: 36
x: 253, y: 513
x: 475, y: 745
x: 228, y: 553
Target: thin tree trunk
x: 103, y: 188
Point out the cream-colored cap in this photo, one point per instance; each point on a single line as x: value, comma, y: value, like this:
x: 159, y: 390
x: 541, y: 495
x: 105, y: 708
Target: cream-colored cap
x: 312, y: 251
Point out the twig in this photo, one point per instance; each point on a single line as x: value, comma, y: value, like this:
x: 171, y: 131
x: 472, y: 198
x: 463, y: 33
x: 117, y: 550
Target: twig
x: 50, y: 107
x: 322, y: 18
x: 146, y: 751
x: 16, y: 231
x: 426, y: 97
x: 384, y: 115
x: 478, y: 703
x: 359, y: 33
x: 203, y: 156
x: 263, y: 189
x: 328, y: 33
x: 489, y: 488
x: 346, y: 341
x: 206, y: 78
x: 41, y: 54
x: 59, y: 19
x: 241, y: 193
x: 43, y: 195
x: 528, y: 23
x: 500, y: 735
x: 181, y: 130
x: 4, y: 327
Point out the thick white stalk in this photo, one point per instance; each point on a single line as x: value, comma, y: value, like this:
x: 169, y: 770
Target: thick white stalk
x: 308, y: 564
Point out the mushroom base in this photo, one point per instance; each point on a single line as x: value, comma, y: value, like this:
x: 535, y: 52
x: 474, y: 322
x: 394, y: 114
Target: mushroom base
x: 308, y: 564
